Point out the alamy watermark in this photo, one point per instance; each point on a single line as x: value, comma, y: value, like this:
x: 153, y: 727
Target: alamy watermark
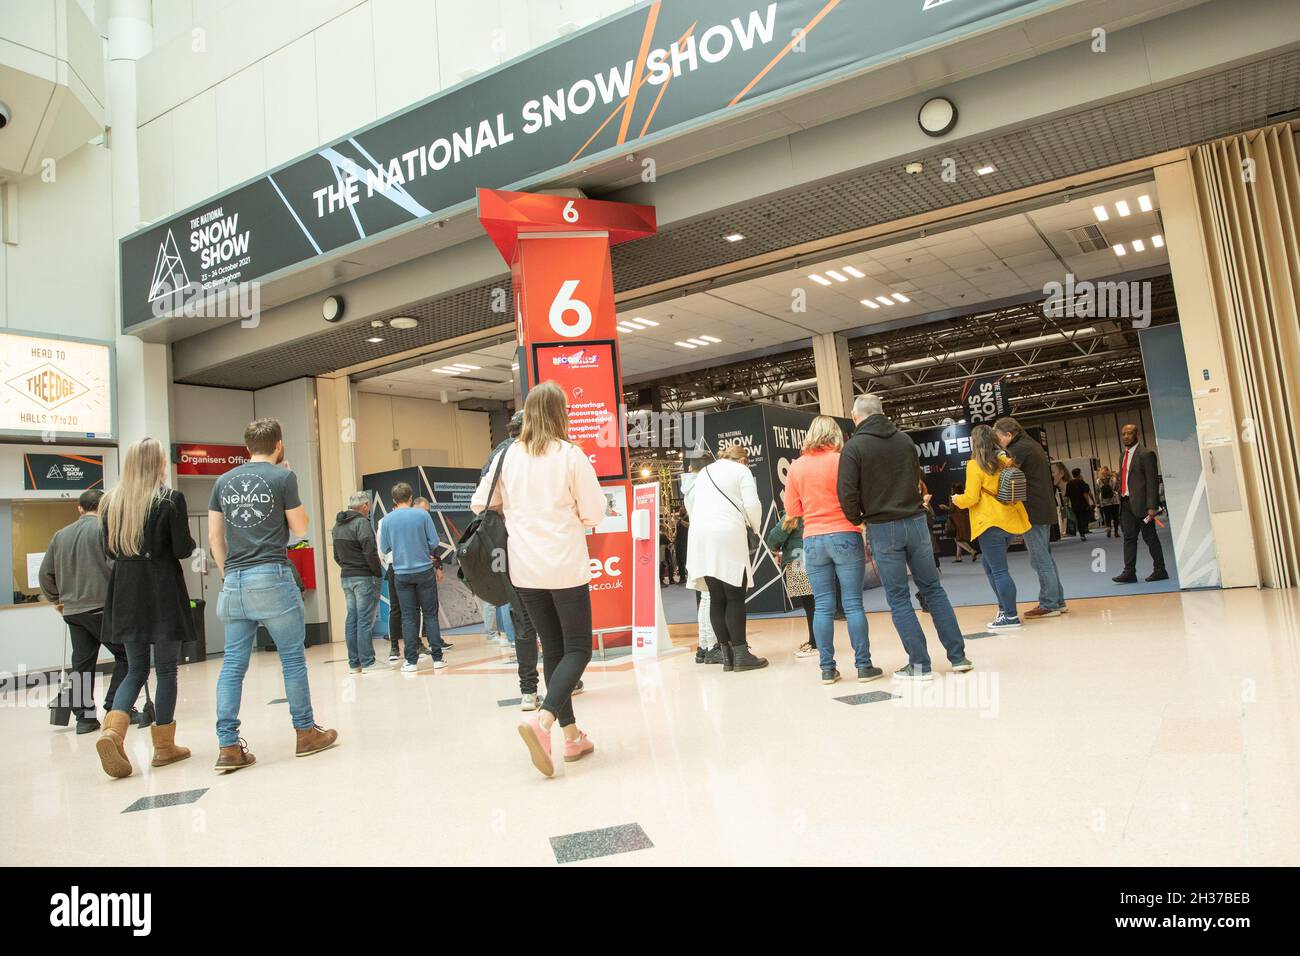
x: 1098, y: 300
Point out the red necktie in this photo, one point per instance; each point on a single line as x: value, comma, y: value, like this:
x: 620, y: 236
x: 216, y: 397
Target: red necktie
x: 1123, y: 477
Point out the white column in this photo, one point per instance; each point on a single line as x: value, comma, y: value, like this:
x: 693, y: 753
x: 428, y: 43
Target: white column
x: 143, y: 370
x: 834, y: 377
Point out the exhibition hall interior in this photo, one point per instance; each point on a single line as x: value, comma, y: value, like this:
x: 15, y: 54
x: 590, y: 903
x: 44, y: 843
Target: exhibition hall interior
x: 436, y: 373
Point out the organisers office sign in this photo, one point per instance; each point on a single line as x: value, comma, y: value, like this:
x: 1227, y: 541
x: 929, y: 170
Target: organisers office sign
x: 632, y: 80
x: 55, y: 387
x: 207, y: 459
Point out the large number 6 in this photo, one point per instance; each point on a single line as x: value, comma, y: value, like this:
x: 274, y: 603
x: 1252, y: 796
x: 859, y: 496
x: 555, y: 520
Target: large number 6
x: 570, y: 212
x: 564, y: 302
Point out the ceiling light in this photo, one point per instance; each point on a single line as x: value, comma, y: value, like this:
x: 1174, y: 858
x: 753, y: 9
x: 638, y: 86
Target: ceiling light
x: 1144, y: 203
x: 901, y: 298
x: 629, y: 327
x: 467, y: 368
x: 685, y: 345
x: 1119, y: 249
x: 986, y: 169
x: 1121, y: 207
x: 1101, y: 213
x: 1158, y: 241
x: 1139, y: 245
x: 855, y: 272
x: 869, y: 304
x: 404, y: 322
x: 734, y: 237
x: 837, y: 276
x: 374, y: 338
x: 710, y: 338
x: 884, y: 300
x: 646, y: 323
x: 820, y: 280
x: 698, y: 341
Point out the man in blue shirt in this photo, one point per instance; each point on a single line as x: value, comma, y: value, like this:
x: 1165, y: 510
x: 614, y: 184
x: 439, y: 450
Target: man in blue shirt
x: 409, y: 535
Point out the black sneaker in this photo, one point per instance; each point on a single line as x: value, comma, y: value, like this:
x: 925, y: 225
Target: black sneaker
x: 866, y: 674
x: 1158, y: 576
x: 830, y: 676
x: 912, y: 672
x: 87, y: 725
x: 963, y: 665
x: 445, y: 646
x: 1125, y: 578
x: 700, y: 654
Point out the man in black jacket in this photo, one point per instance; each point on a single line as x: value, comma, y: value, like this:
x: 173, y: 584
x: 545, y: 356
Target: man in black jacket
x: 1139, y: 500
x: 879, y: 483
x: 1040, y: 505
x: 357, y: 556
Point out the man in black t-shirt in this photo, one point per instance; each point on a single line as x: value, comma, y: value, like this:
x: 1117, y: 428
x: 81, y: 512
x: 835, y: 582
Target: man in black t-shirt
x: 1080, y: 495
x: 251, y: 514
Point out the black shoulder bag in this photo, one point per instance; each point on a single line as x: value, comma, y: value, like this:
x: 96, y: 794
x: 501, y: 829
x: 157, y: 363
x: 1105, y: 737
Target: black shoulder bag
x: 481, y: 551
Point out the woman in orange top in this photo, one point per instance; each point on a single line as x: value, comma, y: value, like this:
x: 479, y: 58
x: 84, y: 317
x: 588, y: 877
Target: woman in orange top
x: 832, y: 546
x: 992, y: 523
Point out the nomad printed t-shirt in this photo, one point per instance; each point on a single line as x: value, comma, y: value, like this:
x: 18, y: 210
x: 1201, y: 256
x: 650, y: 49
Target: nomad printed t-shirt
x: 253, y: 498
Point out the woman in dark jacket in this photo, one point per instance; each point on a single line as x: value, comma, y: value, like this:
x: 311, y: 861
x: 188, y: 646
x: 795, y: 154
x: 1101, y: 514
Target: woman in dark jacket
x: 146, y: 534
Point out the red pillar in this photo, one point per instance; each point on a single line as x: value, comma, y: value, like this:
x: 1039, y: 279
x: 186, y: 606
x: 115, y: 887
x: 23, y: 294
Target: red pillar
x: 566, y: 329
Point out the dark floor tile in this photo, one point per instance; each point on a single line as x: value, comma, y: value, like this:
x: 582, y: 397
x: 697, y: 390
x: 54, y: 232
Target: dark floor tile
x: 279, y: 700
x: 976, y: 636
x: 510, y: 702
x: 166, y: 800
x: 868, y: 698
x: 591, y: 844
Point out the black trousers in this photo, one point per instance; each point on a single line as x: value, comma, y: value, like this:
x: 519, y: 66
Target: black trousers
x: 85, y: 629
x: 726, y: 611
x: 525, y: 646
x: 806, y: 602
x: 563, y: 621
x: 1082, y: 520
x: 1133, y: 526
x: 1110, y: 517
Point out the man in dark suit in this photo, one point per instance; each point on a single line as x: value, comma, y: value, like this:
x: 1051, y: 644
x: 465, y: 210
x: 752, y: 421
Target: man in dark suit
x: 1139, y: 501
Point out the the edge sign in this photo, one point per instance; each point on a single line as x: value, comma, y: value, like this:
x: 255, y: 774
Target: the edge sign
x: 633, y: 79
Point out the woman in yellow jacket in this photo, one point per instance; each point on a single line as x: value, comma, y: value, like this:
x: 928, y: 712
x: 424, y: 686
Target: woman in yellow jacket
x: 992, y: 523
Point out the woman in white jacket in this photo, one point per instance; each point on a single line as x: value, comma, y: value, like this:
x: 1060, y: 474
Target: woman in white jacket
x: 723, y: 503
x: 549, y: 496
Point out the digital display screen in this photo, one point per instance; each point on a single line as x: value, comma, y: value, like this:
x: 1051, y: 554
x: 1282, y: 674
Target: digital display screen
x: 588, y: 373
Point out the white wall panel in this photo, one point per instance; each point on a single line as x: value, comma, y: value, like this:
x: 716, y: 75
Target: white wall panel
x: 194, y: 149
x: 406, y: 52
x: 289, y: 78
x: 241, y: 127
x: 171, y: 19
x: 345, y: 74
x: 157, y: 169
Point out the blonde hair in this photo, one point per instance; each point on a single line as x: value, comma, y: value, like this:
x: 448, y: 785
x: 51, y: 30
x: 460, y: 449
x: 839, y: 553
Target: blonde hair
x: 736, y: 452
x: 125, y: 510
x: 824, y: 432
x: 546, y: 418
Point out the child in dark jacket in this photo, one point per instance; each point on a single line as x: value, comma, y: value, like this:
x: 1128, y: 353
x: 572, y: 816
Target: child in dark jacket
x: 786, y: 539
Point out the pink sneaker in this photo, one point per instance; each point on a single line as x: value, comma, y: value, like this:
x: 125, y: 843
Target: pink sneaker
x: 577, y: 749
x: 538, y: 743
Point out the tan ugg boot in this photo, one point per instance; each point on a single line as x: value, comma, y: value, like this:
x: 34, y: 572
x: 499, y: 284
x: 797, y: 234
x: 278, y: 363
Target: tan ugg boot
x: 111, y: 745
x: 165, y: 750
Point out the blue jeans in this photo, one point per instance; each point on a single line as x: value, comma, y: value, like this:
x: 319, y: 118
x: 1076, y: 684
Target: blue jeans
x: 362, y: 596
x: 993, y: 546
x: 418, y: 594
x: 264, y: 594
x: 506, y: 623
x: 897, y: 546
x: 1038, y: 541
x: 496, y: 620
x: 830, y: 557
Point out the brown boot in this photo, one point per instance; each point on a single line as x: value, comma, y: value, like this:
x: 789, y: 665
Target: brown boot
x: 165, y: 750
x: 315, y: 739
x: 235, y: 757
x: 111, y: 745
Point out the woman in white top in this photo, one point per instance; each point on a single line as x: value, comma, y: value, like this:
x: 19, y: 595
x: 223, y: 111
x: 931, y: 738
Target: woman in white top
x: 549, y: 495
x: 723, y: 503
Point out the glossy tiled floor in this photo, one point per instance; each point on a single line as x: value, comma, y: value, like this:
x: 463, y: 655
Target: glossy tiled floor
x: 1161, y: 729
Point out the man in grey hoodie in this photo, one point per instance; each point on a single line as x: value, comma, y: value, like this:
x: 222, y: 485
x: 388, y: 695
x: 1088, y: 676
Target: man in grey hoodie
x: 74, y: 574
x: 357, y: 556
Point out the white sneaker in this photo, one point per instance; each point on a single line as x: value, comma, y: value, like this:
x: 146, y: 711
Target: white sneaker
x: 806, y: 650
x: 437, y: 665
x: 394, y: 658
x: 530, y: 702
x: 410, y: 668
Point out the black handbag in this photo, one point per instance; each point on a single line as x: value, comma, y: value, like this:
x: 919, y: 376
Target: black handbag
x: 481, y: 552
x: 146, y: 717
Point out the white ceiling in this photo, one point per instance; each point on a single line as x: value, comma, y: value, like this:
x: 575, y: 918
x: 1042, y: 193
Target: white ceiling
x: 960, y: 268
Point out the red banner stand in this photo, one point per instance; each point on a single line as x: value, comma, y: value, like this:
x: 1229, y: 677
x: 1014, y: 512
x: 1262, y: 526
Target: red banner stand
x: 566, y: 330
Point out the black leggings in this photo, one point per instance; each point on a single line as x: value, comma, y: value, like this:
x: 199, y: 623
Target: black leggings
x: 726, y: 611
x: 806, y: 602
x: 167, y: 655
x: 563, y: 621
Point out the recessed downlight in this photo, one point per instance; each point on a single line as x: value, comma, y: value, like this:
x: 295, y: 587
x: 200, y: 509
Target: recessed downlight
x: 644, y: 323
x: 820, y: 280
x: 1119, y: 249
x: 884, y: 300
x: 684, y: 345
x: 901, y: 298
x: 1158, y: 241
x: 1121, y: 207
x: 837, y: 276
x: 1101, y: 213
x: 698, y: 341
x: 1139, y: 245
x: 374, y: 339
x: 1144, y: 203
x: 870, y: 305
x: 711, y: 338
x: 855, y: 272
x: 629, y: 327
x: 986, y: 169
x: 404, y: 322
x: 734, y: 237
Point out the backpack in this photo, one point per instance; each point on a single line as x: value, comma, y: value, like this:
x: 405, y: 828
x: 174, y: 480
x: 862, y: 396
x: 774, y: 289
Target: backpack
x: 481, y: 551
x: 1012, y: 486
